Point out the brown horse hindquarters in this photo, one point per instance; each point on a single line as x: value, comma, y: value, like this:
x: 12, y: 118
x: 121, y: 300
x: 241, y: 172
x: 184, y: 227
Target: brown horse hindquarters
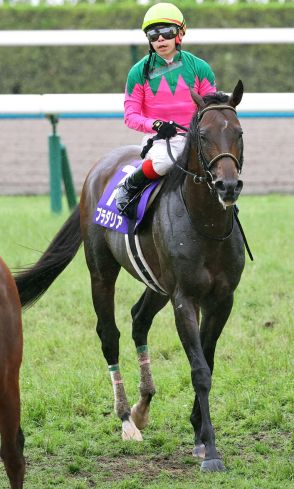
x: 11, y: 344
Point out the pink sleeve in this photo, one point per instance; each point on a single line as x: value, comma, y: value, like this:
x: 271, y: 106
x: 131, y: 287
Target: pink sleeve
x: 133, y: 117
x: 206, y: 87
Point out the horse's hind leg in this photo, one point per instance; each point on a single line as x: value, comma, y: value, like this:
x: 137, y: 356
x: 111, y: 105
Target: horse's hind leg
x: 104, y: 271
x: 12, y: 439
x: 143, y: 313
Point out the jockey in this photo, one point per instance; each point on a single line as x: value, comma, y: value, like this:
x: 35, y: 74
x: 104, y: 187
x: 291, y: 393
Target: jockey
x: 158, y: 93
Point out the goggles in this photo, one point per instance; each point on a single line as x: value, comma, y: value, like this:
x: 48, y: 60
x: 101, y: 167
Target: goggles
x: 169, y: 32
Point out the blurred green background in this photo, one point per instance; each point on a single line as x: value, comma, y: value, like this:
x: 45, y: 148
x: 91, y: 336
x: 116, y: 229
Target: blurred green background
x: 103, y: 69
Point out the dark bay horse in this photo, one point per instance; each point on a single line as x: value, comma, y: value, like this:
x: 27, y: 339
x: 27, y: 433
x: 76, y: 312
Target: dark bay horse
x: 191, y: 245
x: 11, y: 343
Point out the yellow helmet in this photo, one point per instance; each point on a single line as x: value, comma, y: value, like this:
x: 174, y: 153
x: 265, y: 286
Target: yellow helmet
x: 164, y: 13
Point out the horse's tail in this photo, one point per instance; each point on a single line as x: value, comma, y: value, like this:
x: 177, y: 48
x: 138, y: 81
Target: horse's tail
x: 33, y: 282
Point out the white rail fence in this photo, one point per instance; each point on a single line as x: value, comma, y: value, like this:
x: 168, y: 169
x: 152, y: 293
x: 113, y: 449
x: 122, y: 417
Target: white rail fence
x: 111, y: 105
x: 136, y: 37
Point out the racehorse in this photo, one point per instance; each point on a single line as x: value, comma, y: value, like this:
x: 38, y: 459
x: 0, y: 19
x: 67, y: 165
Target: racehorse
x: 11, y: 343
x: 192, y: 246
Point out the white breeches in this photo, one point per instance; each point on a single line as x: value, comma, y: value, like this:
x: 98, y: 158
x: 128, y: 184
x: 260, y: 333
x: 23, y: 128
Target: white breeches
x: 161, y: 162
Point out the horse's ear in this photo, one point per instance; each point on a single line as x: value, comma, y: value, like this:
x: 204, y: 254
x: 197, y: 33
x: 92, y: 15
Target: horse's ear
x: 197, y: 99
x: 237, y: 94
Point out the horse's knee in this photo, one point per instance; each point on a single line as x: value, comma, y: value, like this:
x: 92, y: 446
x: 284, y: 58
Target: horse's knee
x: 20, y: 439
x: 11, y: 445
x: 201, y: 378
x: 195, y: 418
x: 107, y: 332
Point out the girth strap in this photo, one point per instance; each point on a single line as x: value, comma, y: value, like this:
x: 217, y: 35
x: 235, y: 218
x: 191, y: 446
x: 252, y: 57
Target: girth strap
x: 138, y: 261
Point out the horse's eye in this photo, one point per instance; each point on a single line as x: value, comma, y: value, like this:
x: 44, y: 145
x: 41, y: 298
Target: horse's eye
x: 203, y: 138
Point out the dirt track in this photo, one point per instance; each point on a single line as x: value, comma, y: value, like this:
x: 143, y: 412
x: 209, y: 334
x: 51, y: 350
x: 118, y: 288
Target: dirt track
x: 268, y: 167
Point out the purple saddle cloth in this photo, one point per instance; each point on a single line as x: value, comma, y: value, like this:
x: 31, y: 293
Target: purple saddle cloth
x: 107, y: 214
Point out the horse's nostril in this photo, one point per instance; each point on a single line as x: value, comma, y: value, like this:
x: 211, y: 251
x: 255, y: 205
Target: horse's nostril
x: 229, y: 187
x: 219, y: 184
x: 228, y: 190
x: 239, y: 185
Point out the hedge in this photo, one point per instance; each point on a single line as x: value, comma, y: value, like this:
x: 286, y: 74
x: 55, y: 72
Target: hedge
x: 263, y: 68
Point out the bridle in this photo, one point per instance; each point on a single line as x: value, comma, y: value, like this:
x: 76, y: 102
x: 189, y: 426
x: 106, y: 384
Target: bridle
x: 205, y: 163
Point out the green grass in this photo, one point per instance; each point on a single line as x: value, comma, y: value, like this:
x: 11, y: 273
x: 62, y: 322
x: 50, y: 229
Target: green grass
x: 73, y: 438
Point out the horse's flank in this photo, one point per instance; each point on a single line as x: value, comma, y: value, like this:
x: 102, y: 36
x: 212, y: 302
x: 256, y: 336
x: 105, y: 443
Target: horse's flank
x: 11, y: 344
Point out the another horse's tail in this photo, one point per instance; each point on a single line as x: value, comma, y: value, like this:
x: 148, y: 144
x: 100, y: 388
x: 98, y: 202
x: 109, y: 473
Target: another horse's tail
x: 33, y: 282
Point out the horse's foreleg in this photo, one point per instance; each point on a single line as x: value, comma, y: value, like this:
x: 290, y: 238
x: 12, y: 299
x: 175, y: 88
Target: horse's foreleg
x: 214, y: 317
x: 188, y: 330
x: 143, y: 313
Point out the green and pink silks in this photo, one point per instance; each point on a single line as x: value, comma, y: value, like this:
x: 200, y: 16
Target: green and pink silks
x: 166, y: 94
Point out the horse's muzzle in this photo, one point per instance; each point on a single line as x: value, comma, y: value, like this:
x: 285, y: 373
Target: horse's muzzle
x: 228, y: 190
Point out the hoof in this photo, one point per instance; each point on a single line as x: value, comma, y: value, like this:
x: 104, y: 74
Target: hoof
x: 213, y: 465
x: 140, y: 417
x: 199, y: 451
x: 130, y: 431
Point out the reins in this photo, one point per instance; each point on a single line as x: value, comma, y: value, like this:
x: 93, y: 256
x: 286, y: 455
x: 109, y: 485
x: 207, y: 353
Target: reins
x: 196, y: 178
x: 243, y: 234
x: 206, y: 165
x: 204, y: 235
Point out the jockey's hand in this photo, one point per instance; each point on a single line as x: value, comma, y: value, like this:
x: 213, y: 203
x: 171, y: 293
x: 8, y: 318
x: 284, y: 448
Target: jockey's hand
x: 165, y: 129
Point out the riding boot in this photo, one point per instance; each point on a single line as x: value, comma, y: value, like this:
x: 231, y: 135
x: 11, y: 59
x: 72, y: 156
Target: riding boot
x: 133, y: 184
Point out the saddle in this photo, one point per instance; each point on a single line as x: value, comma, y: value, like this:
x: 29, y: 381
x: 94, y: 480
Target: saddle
x: 106, y: 213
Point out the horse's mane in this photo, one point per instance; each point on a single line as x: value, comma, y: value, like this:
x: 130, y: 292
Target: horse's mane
x: 176, y: 176
x: 216, y: 98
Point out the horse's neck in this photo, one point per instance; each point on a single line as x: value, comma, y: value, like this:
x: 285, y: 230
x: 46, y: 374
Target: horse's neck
x: 203, y: 206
